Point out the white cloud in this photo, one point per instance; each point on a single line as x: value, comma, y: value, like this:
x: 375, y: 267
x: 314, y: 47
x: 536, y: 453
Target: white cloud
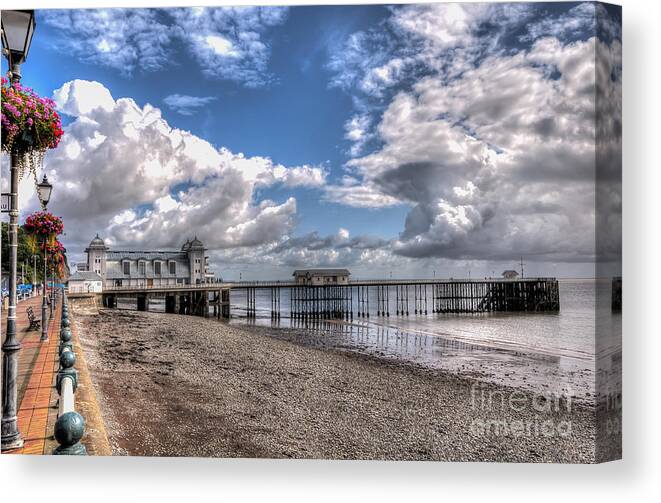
x: 80, y: 97
x: 187, y: 105
x: 357, y: 131
x: 165, y: 204
x: 578, y: 20
x: 442, y: 25
x: 352, y: 192
x: 126, y: 40
x: 221, y: 46
x: 124, y: 172
x: 491, y: 145
x: 301, y: 176
x: 384, y: 76
x: 227, y: 42
x: 498, y: 161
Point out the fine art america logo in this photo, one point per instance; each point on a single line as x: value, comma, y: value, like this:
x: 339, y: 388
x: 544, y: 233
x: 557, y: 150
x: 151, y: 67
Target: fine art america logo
x: 518, y: 414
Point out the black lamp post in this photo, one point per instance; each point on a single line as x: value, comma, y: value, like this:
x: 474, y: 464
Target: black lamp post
x: 17, y: 30
x: 44, y: 190
x: 52, y: 285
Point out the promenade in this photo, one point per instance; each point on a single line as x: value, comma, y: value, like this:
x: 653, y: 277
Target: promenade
x: 38, y: 364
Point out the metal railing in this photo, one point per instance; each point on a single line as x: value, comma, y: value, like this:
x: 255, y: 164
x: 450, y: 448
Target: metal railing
x: 290, y: 284
x: 70, y: 425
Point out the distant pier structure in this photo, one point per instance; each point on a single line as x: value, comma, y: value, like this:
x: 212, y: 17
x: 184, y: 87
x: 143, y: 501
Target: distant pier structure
x: 331, y: 294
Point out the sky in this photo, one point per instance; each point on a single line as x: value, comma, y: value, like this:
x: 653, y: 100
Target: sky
x: 424, y: 140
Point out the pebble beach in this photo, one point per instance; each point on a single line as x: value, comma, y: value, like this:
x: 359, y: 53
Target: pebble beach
x: 172, y: 385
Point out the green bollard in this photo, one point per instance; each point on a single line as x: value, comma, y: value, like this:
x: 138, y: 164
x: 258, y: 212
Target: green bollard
x: 69, y: 429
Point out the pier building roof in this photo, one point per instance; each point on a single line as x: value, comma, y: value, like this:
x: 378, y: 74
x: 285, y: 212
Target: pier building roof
x: 146, y: 255
x: 322, y: 272
x: 85, y: 276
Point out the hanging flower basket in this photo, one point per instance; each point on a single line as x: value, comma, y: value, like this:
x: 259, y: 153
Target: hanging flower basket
x: 30, y: 125
x: 44, y: 225
x: 56, y: 252
x: 54, y: 248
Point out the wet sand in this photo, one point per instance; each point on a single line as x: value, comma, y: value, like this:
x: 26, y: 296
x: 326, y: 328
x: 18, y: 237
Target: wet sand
x: 173, y: 385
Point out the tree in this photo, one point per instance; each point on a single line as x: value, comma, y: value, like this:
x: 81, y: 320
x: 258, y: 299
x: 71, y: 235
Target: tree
x: 28, y: 247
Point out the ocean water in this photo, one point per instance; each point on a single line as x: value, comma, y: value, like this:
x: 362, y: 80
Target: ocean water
x: 547, y: 353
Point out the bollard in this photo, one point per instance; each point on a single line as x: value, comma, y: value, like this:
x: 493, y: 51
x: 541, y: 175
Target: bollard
x: 69, y: 429
x: 67, y: 361
x: 65, y: 322
x: 65, y: 340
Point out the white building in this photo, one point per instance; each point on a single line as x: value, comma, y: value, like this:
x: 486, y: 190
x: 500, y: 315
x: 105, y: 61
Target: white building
x: 319, y: 277
x: 85, y: 282
x: 187, y: 266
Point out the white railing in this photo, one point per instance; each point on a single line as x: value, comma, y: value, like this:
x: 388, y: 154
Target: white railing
x: 70, y: 425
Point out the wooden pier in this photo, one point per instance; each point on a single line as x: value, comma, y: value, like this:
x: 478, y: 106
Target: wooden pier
x: 359, y: 298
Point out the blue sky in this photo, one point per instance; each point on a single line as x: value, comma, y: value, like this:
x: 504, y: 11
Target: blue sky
x: 249, y: 120
x: 375, y: 137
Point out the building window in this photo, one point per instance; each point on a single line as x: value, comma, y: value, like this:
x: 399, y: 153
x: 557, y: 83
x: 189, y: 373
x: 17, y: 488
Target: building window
x: 141, y: 268
x: 127, y: 267
x: 173, y: 268
x: 157, y: 268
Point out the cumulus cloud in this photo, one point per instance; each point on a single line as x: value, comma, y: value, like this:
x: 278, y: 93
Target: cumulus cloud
x: 80, y: 97
x: 492, y: 146
x: 187, y: 105
x: 227, y: 42
x: 476, y: 157
x: 123, y: 171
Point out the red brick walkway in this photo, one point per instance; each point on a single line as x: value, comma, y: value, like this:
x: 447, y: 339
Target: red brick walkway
x: 37, y: 366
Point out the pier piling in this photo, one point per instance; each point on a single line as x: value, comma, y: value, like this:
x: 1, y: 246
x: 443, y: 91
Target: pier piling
x: 336, y: 301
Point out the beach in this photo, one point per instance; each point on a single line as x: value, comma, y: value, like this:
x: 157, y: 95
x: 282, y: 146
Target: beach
x: 172, y: 385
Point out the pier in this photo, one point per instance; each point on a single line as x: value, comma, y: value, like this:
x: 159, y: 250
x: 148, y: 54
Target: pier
x: 356, y: 298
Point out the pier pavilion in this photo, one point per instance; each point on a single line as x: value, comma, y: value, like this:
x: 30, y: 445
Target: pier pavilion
x: 318, y: 277
x: 147, y: 268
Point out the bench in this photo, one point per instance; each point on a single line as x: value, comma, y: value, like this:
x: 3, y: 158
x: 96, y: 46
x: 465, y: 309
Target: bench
x: 35, y: 322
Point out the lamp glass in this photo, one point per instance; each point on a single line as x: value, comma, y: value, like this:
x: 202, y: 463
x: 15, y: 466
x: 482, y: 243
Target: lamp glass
x: 18, y: 27
x: 44, y: 190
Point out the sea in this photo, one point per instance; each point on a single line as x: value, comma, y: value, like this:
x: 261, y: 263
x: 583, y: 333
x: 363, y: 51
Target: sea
x: 560, y: 354
x: 563, y: 354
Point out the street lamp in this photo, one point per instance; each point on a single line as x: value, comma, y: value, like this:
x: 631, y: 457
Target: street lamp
x: 44, y: 190
x: 17, y: 28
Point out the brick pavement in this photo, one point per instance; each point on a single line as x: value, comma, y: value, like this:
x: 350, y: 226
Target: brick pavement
x: 37, y: 366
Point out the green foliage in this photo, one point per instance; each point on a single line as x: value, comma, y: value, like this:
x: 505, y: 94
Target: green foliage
x: 28, y: 249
